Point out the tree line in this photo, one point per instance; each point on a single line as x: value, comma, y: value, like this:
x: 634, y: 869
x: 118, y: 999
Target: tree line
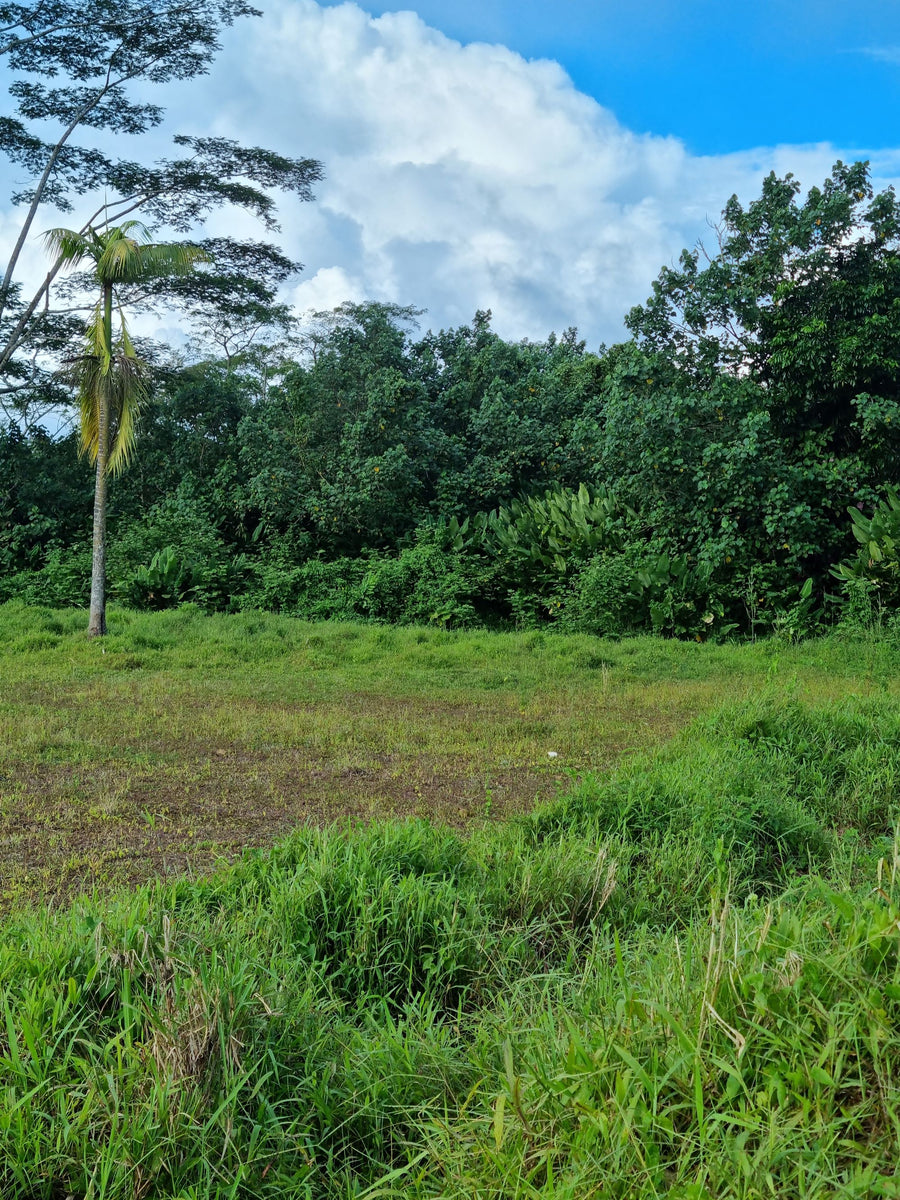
x: 729, y: 468
x: 695, y: 479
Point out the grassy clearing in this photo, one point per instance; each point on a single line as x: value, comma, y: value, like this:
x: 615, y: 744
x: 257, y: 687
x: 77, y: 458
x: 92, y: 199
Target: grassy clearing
x: 183, y: 738
x: 680, y: 979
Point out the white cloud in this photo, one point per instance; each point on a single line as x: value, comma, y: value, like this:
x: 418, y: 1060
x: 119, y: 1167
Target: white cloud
x: 888, y: 54
x: 464, y: 177
x: 326, y: 289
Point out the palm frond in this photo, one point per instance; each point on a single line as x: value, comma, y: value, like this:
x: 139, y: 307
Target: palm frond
x: 128, y: 393
x: 90, y: 380
x: 136, y: 230
x: 109, y: 374
x: 173, y: 259
x: 123, y: 388
x: 114, y: 263
x: 130, y: 386
x: 125, y: 341
x: 68, y: 247
x: 96, y: 338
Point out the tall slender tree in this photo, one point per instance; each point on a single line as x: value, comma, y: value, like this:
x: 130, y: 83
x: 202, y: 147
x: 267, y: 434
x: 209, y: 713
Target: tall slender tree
x: 110, y: 377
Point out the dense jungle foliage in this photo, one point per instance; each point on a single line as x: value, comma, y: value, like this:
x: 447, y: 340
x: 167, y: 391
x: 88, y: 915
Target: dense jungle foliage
x: 694, y: 481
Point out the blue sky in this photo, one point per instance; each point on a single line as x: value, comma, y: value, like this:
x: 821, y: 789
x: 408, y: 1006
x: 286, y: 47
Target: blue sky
x: 720, y: 74
x: 540, y: 160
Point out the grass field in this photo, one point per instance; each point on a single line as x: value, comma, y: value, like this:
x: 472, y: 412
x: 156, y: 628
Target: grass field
x: 663, y: 965
x: 183, y: 738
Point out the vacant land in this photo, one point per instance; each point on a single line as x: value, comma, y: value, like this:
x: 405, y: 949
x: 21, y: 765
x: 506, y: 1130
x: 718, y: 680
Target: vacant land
x: 677, y: 977
x: 182, y: 738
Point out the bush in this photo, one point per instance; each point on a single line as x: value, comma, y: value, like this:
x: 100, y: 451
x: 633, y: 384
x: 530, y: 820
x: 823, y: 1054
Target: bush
x: 64, y: 580
x: 176, y: 553
x: 874, y: 574
x: 423, y: 585
x: 315, y: 590
x: 645, y: 588
x: 427, y: 585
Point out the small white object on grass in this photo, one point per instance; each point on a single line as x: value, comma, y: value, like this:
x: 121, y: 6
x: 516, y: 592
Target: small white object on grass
x: 552, y: 754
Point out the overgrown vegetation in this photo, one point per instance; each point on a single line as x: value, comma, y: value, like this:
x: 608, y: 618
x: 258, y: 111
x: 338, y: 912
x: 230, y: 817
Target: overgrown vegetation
x: 671, y: 969
x: 694, y: 481
x: 678, y: 978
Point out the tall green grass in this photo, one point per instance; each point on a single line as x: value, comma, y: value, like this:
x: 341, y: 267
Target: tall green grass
x: 754, y: 1054
x: 188, y: 639
x: 679, y: 980
x: 775, y: 788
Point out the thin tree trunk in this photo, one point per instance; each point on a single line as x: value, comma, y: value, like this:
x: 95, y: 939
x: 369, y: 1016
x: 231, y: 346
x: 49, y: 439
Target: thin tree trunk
x: 97, y: 618
x: 12, y: 342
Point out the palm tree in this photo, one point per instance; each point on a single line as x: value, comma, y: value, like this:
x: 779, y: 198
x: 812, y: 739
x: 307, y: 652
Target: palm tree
x: 110, y: 377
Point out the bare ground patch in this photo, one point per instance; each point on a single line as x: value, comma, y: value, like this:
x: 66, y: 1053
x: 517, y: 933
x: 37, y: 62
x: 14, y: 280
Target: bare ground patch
x: 162, y: 797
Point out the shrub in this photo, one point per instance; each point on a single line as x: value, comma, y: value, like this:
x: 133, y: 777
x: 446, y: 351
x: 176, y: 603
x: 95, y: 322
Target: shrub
x: 427, y: 585
x: 875, y: 571
x: 63, y: 581
x: 315, y: 590
x: 645, y: 587
x: 175, y: 553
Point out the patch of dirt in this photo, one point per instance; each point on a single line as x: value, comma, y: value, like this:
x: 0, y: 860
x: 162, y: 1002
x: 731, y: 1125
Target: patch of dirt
x: 66, y: 829
x: 172, y: 795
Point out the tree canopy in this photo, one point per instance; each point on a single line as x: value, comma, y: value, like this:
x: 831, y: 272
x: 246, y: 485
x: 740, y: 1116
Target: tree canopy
x: 694, y: 479
x: 83, y: 69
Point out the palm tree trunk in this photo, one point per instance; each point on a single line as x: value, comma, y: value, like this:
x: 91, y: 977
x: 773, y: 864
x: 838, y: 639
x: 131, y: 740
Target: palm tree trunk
x: 97, y: 617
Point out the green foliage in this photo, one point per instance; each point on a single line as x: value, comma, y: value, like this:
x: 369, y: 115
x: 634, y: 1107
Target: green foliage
x: 690, y: 482
x: 62, y: 579
x: 876, y: 569
x: 345, y: 449
x: 541, y: 539
x: 316, y: 590
x: 378, y: 434
x: 423, y: 585
x: 680, y: 597
x: 519, y: 415
x: 788, y: 338
x: 802, y: 296
x: 880, y: 533
x: 191, y: 559
x: 644, y: 586
x: 606, y: 597
x: 799, y: 619
x: 703, y: 464
x: 165, y: 581
x: 45, y: 500
x: 426, y: 585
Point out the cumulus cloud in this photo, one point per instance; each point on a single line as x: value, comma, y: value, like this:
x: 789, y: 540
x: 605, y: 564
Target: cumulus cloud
x: 465, y: 176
